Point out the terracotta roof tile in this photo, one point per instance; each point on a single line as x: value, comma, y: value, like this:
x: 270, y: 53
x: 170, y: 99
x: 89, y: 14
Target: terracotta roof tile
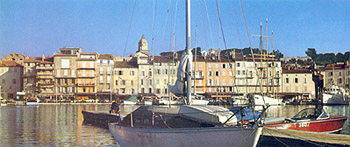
x: 124, y: 64
x: 106, y: 56
x: 9, y: 64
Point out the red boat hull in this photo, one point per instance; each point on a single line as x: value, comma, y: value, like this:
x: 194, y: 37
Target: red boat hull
x: 329, y: 125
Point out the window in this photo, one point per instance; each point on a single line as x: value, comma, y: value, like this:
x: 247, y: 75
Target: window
x: 73, y: 73
x: 150, y: 73
x: 142, y: 82
x: 216, y: 66
x: 120, y: 72
x: 150, y: 90
x: 83, y: 73
x: 158, y: 71
x: 296, y: 80
x: 150, y: 81
x: 287, y: 80
x: 305, y: 80
x: 165, y: 71
x: 238, y: 64
x: 331, y: 74
x: 243, y: 72
x: 132, y: 82
x: 65, y: 63
x: 108, y: 79
x: 209, y: 65
x: 165, y: 81
x: 223, y: 65
x: 339, y: 73
x: 3, y: 81
x: 122, y: 82
x: 238, y: 72
x: 340, y: 81
x: 199, y: 67
x: 158, y: 91
x: 223, y: 73
x: 116, y: 82
x: 217, y: 73
x: 101, y: 79
x: 132, y: 73
x: 65, y: 72
x: 58, y: 73
x: 223, y: 82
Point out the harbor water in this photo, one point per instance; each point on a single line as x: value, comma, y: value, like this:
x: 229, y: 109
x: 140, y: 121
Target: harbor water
x: 62, y: 125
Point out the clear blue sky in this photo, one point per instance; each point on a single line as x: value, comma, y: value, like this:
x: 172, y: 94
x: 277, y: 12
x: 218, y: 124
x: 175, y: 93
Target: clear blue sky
x: 33, y: 27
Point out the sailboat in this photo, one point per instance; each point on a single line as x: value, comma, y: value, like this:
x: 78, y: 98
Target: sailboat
x: 184, y: 125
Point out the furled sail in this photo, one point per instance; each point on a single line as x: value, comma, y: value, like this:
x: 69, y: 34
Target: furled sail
x: 178, y: 88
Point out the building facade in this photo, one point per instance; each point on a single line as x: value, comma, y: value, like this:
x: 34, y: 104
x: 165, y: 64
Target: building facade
x: 45, y: 78
x: 337, y: 74
x: 86, y: 76
x: 65, y: 72
x: 105, y: 78
x: 297, y: 82
x: 126, y: 78
x: 11, y: 79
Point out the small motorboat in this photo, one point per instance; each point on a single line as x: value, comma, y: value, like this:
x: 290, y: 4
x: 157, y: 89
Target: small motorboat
x: 309, y: 119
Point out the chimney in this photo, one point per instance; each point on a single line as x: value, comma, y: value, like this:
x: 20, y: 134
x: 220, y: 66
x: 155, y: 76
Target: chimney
x: 42, y: 57
x: 219, y: 54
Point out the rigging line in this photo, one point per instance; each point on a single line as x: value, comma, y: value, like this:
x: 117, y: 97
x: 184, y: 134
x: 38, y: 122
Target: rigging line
x: 127, y: 37
x: 223, y: 37
x: 203, y: 25
x: 211, y: 32
x: 250, y: 44
x: 171, y: 25
x: 154, y: 20
x: 165, y: 24
x: 236, y: 22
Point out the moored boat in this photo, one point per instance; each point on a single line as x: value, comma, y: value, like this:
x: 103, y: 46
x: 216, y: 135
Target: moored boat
x: 310, y: 119
x: 164, y: 126
x: 335, y: 95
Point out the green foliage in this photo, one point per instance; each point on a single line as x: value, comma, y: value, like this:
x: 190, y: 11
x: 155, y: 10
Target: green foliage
x: 311, y: 52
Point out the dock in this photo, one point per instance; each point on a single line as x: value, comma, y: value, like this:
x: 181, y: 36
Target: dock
x: 100, y: 118
x: 315, y: 137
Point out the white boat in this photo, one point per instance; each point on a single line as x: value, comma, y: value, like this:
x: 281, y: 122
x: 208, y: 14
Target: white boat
x: 261, y: 100
x: 132, y: 100
x: 166, y: 101
x: 147, y: 101
x: 335, y: 95
x: 199, y: 102
x: 151, y: 126
x: 32, y: 102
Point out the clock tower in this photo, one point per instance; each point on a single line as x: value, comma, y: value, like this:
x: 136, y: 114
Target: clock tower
x: 143, y: 46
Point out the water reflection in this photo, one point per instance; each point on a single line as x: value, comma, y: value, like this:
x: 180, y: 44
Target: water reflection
x: 51, y: 125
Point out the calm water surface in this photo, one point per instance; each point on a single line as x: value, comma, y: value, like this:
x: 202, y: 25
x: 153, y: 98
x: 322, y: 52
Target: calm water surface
x: 62, y: 125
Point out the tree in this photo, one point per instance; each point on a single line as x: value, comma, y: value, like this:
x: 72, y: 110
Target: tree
x: 278, y: 54
x: 311, y: 52
x: 339, y: 57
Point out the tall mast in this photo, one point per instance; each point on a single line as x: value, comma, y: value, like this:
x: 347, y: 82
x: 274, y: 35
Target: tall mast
x: 188, y: 48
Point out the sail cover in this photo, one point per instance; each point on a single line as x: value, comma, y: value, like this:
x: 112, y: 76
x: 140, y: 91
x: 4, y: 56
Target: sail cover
x: 178, y: 88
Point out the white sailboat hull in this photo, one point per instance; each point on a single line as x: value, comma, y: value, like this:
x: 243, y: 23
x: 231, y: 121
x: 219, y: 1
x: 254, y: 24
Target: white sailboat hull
x: 185, y: 137
x: 129, y: 102
x: 335, y: 99
x: 200, y: 102
x: 260, y: 100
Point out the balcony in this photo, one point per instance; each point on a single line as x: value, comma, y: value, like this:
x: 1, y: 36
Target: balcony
x: 198, y: 77
x: 92, y: 68
x: 86, y: 84
x: 45, y: 77
x: 44, y: 67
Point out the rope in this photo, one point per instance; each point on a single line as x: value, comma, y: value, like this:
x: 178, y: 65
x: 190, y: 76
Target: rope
x: 211, y: 32
x: 154, y: 19
x: 222, y: 29
x: 203, y: 25
x: 127, y: 37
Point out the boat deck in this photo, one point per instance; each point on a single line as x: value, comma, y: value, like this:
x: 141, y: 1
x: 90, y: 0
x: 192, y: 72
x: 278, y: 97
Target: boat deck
x: 100, y: 118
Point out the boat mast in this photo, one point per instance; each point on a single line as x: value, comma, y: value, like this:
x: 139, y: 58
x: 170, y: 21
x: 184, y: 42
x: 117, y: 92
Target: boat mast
x: 188, y: 46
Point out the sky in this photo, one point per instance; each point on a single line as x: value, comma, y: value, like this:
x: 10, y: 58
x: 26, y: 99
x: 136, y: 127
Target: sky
x: 36, y: 27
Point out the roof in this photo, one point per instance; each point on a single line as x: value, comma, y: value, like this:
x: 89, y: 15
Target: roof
x: 106, y: 56
x: 38, y: 59
x: 87, y: 53
x: 284, y: 70
x: 335, y: 66
x: 163, y: 59
x: 9, y: 64
x: 124, y: 64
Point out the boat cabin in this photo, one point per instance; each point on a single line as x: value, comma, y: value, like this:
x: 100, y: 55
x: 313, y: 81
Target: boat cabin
x: 310, y: 114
